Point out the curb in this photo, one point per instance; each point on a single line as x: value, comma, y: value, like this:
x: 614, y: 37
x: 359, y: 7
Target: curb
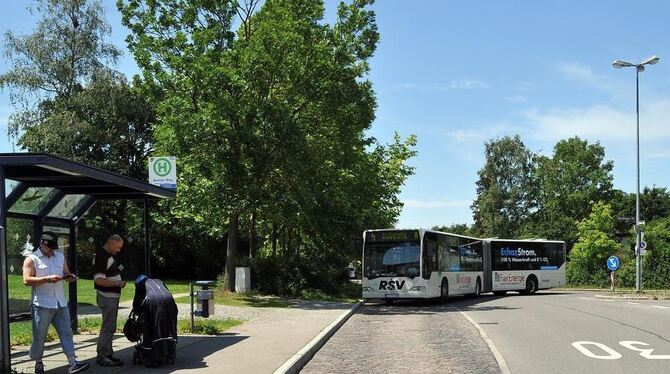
x: 496, y: 353
x: 630, y: 297
x: 300, y: 359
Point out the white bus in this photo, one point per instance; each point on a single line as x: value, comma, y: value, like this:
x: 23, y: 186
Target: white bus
x: 421, y: 264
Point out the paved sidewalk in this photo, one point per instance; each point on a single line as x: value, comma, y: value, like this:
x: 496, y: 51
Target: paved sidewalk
x: 263, y: 344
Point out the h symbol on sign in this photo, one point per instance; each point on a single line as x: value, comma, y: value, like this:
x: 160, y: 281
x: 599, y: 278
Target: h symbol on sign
x: 162, y: 167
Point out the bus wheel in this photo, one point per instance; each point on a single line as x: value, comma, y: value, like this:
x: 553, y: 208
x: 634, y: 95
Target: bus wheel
x: 531, y: 285
x: 444, y: 290
x: 499, y: 293
x: 478, y: 288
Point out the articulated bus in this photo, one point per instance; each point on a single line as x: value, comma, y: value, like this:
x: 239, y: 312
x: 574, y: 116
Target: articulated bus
x: 421, y: 264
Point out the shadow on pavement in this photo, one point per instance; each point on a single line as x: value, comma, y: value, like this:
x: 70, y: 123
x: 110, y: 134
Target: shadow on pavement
x: 453, y: 304
x: 192, y: 352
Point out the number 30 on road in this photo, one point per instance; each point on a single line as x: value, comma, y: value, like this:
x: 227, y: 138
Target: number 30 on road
x: 611, y: 354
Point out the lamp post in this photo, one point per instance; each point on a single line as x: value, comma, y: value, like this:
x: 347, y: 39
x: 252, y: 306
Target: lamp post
x: 618, y: 64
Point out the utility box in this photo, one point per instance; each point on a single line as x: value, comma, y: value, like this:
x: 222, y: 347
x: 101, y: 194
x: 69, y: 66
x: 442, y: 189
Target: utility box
x: 205, y: 299
x: 242, y: 279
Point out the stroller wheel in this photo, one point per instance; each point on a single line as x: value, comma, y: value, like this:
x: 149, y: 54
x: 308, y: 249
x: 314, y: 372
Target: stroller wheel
x: 169, y: 360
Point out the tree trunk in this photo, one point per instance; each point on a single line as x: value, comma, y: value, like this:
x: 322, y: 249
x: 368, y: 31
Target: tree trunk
x: 274, y: 239
x: 252, y: 236
x: 231, y: 253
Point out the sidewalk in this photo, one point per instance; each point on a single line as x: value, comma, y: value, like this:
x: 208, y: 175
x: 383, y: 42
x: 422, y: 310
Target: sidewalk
x: 271, y: 337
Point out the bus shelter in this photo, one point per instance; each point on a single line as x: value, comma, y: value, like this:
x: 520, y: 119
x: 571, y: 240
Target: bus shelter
x: 50, y: 191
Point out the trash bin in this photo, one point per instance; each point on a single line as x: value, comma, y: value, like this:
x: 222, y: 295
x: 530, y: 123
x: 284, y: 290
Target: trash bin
x: 205, y: 299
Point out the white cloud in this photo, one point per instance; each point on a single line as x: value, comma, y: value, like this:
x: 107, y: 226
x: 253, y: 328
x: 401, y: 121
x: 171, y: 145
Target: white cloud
x: 516, y: 99
x: 600, y: 122
x: 465, y: 84
x: 435, y: 204
x: 468, y: 84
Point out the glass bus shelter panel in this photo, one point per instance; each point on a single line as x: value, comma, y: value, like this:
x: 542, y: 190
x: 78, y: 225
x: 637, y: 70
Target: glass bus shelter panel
x: 33, y: 200
x: 68, y: 206
x: 10, y: 185
x: 20, y: 243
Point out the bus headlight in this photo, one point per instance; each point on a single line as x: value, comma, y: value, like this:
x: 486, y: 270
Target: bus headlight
x: 418, y: 288
x: 368, y: 289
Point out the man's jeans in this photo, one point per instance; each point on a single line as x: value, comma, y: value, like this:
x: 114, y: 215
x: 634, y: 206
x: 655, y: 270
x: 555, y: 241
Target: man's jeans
x: 60, y: 318
x: 110, y: 308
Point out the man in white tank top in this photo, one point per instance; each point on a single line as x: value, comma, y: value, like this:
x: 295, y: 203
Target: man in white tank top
x: 43, y: 270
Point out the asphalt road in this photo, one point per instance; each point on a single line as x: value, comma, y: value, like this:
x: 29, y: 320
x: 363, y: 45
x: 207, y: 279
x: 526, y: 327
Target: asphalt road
x: 550, y: 332
x: 542, y: 333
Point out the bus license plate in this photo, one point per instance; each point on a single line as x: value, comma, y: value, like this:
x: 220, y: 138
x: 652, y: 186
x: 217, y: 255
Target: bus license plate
x: 392, y: 295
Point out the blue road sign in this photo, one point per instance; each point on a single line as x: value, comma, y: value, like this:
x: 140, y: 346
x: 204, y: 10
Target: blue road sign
x: 613, y: 263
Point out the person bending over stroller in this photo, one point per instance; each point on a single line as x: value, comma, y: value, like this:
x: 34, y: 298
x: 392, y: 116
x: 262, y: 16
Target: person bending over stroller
x: 152, y: 323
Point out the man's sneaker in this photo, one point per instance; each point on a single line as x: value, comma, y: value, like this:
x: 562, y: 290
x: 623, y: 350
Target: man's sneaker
x: 77, y: 367
x: 39, y: 368
x: 116, y: 360
x: 108, y: 362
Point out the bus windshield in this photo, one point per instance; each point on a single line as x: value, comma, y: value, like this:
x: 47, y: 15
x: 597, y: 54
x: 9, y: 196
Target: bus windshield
x: 389, y: 259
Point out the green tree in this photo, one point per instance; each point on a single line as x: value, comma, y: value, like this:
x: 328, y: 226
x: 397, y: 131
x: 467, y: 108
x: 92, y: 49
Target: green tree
x: 569, y: 183
x: 66, y: 48
x: 595, y: 244
x: 504, y: 188
x: 268, y: 122
x: 456, y: 228
x: 656, y: 261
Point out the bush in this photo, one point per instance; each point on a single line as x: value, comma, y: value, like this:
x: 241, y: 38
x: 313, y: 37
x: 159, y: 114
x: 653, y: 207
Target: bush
x: 290, y: 276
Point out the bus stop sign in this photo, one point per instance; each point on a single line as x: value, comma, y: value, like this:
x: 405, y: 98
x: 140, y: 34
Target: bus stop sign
x: 613, y: 263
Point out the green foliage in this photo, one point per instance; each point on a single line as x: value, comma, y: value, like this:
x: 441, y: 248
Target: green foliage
x: 269, y: 122
x: 456, y: 228
x: 291, y: 275
x: 66, y: 48
x: 503, y: 189
x: 656, y: 261
x: 207, y: 326
x: 569, y: 183
x: 595, y: 244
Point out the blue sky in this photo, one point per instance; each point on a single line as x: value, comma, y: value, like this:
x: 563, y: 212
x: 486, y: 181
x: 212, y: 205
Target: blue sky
x: 459, y: 73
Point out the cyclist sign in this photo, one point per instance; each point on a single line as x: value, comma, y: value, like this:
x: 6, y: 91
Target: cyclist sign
x: 613, y: 263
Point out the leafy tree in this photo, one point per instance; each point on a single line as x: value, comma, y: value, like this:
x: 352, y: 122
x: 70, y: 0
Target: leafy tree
x: 504, y: 188
x: 569, y: 183
x: 456, y: 228
x: 65, y: 50
x: 656, y: 261
x: 269, y: 122
x: 595, y: 244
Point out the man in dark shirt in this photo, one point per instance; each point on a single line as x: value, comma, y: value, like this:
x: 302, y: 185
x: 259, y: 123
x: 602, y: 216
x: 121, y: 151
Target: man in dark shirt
x: 108, y: 284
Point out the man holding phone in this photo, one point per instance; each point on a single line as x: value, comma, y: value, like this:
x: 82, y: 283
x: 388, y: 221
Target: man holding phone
x: 43, y: 270
x: 108, y: 284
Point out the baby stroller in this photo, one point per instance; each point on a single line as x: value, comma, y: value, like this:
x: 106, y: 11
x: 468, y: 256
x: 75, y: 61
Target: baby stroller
x: 152, y: 323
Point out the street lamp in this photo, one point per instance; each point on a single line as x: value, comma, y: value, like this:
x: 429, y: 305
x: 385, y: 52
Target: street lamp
x: 618, y: 64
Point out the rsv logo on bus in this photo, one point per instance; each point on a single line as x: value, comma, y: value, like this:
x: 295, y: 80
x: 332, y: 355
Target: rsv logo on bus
x: 391, y: 285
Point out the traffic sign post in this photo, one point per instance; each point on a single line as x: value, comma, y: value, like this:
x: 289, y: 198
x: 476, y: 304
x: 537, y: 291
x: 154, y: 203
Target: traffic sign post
x: 613, y: 264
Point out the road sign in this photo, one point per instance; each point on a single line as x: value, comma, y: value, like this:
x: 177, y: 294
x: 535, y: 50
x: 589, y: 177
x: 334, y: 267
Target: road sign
x: 613, y: 263
x: 163, y: 172
x: 643, y: 245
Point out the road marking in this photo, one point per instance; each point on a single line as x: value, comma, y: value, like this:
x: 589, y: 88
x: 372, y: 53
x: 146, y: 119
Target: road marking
x: 498, y: 356
x: 632, y: 303
x: 611, y: 354
x: 646, y: 353
x: 660, y: 307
